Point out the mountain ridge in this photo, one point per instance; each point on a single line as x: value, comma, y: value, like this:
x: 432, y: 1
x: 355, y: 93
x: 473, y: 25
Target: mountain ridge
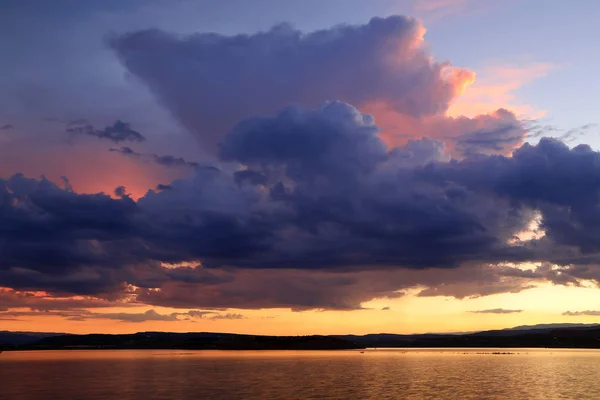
x: 541, y: 335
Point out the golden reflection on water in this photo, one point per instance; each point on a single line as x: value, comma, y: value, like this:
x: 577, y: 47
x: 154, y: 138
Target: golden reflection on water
x: 374, y: 374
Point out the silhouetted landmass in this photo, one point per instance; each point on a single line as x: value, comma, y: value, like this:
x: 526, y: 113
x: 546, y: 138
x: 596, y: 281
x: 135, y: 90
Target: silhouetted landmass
x: 18, y: 338
x: 584, y: 336
x: 189, y: 341
x: 550, y: 326
x: 549, y: 336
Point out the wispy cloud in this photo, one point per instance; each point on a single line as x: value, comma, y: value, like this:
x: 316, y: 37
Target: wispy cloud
x: 537, y: 129
x: 589, y: 313
x: 134, y: 317
x: 227, y: 316
x: 164, y: 160
x: 495, y: 87
x: 496, y: 311
x: 118, y: 132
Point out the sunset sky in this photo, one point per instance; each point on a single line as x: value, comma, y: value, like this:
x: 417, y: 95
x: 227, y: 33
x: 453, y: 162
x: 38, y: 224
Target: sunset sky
x: 298, y: 167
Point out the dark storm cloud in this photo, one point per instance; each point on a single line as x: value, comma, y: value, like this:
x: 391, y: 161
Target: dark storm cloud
x: 333, y: 290
x: 563, y: 184
x: 331, y: 220
x: 310, y: 210
x: 54, y: 238
x: 342, y: 203
x: 254, y: 289
x: 251, y: 177
x: 467, y: 290
x: 496, y: 311
x: 210, y: 82
x: 335, y: 141
x: 118, y: 132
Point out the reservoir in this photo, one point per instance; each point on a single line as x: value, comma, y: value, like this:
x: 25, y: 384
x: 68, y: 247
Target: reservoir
x: 346, y: 374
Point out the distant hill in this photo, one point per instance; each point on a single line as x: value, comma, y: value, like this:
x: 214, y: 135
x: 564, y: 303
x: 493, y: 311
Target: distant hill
x: 550, y: 326
x: 544, y: 335
x: 12, y: 338
x: 192, y: 341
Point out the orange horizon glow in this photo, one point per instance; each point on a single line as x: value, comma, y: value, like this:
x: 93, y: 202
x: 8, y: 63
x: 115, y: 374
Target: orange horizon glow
x: 89, y: 169
x: 410, y: 314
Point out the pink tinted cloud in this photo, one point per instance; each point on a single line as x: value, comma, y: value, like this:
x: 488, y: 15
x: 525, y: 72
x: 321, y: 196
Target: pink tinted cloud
x: 488, y: 102
x: 384, y: 60
x: 496, y: 87
x: 398, y: 129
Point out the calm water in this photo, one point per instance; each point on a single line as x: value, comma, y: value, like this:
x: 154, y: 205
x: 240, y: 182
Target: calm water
x: 376, y: 374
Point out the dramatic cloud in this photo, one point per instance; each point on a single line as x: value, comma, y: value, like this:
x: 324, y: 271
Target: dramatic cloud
x: 119, y: 132
x: 496, y: 311
x: 334, y: 141
x: 331, y: 198
x: 308, y: 289
x: 498, y: 132
x: 210, y: 82
x: 337, y: 178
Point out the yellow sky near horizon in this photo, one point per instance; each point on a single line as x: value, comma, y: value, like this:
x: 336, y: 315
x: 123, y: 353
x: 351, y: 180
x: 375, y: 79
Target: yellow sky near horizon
x: 408, y: 314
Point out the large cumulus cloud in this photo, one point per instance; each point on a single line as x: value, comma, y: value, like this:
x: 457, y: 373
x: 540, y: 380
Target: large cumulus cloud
x: 210, y: 82
x: 311, y: 202
x: 333, y: 200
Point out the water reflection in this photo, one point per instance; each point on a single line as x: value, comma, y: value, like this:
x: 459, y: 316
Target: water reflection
x: 376, y: 374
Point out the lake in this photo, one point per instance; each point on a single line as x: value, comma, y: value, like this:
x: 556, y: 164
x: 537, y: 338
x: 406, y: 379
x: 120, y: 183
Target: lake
x: 374, y: 374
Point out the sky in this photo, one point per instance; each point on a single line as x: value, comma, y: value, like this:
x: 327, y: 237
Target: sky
x: 298, y: 167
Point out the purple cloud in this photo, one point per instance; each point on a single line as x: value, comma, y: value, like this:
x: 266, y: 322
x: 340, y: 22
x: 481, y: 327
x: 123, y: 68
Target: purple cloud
x: 210, y: 82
